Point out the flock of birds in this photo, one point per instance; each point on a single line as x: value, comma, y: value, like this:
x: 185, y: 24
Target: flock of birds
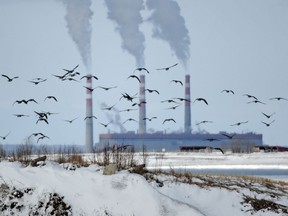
x: 72, y: 75
x: 75, y: 76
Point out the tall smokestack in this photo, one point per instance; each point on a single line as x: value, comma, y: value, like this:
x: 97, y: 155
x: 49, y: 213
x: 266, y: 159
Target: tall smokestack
x: 142, y: 106
x: 187, y: 117
x: 89, y: 112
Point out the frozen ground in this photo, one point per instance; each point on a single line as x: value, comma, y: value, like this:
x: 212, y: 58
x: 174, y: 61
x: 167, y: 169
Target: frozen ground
x: 218, y: 161
x: 52, y: 188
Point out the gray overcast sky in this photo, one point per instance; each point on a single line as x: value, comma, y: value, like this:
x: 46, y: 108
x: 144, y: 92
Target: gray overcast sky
x: 234, y: 44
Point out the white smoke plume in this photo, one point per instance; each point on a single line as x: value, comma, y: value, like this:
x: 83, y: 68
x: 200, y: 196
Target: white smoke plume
x: 126, y: 14
x: 79, y: 28
x: 114, y: 119
x: 169, y: 25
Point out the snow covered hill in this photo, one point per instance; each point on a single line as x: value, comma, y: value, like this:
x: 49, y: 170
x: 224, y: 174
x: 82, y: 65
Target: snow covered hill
x: 54, y: 189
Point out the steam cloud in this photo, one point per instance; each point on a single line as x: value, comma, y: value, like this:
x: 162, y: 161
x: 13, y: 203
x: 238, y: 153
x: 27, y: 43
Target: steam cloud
x: 78, y: 23
x: 114, y: 119
x: 169, y: 25
x: 126, y: 14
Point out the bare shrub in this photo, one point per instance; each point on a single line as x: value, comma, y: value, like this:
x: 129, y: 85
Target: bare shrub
x: 23, y: 153
x: 2, y: 152
x: 144, y: 155
x: 69, y: 154
x: 42, y: 150
x: 123, y: 156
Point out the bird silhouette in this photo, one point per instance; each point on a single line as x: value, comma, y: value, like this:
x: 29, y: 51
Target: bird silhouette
x: 128, y: 97
x: 268, y: 124
x: 278, y: 98
x: 149, y: 119
x: 268, y: 116
x: 90, y: 89
x: 203, y: 122
x: 239, y: 123
x: 139, y: 104
x: 152, y: 90
x: 8, y: 78
x: 173, y: 107
x: 123, y: 147
x: 177, y: 81
x: 74, y: 74
x: 41, y: 138
x: 105, y: 125
x: 228, y: 136
x: 130, y: 119
x: 70, y: 79
x: 89, y: 77
x: 42, y: 114
x: 49, y: 113
x: 228, y: 91
x: 250, y: 96
x: 106, y: 88
x: 4, y: 137
x: 25, y: 101
x: 36, y: 134
x: 70, y: 121
x: 167, y: 68
x: 37, y: 82
x: 42, y: 119
x: 71, y: 71
x: 255, y: 101
x: 182, y: 99
x: 51, y: 97
x: 21, y: 115
x: 38, y: 79
x: 90, y: 117
x: 59, y: 76
x: 201, y: 99
x: 169, y: 119
x: 221, y: 150
x: 108, y: 108
x: 127, y: 110
x: 140, y: 69
x: 211, y: 139
x: 169, y: 101
x: 134, y: 76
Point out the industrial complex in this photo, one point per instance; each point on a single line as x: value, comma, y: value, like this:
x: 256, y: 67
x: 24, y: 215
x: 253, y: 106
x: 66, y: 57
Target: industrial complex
x: 186, y: 141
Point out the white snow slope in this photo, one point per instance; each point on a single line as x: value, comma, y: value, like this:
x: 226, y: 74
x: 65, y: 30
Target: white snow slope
x: 86, y: 191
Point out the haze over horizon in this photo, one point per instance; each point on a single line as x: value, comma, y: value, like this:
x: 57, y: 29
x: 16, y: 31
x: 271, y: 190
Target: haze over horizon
x: 228, y: 44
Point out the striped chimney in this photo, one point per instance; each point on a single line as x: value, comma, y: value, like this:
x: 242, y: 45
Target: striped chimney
x: 187, y: 111
x: 142, y: 106
x: 89, y: 112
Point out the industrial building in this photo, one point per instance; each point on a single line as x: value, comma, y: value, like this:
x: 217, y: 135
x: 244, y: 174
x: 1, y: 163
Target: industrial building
x: 161, y: 141
x: 174, y: 142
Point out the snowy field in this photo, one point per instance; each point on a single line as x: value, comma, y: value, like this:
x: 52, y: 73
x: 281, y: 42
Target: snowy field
x: 56, y: 188
x: 217, y: 161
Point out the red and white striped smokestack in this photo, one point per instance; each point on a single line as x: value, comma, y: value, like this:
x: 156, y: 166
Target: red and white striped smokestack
x: 142, y: 106
x: 187, y: 111
x: 89, y: 112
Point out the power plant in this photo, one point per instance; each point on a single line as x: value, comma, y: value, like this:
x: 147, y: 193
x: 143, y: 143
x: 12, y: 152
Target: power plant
x: 162, y: 141
x: 89, y: 114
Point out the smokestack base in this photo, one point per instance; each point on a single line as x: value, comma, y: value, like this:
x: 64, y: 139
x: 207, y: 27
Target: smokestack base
x: 187, y: 111
x: 89, y: 112
x: 142, y: 106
